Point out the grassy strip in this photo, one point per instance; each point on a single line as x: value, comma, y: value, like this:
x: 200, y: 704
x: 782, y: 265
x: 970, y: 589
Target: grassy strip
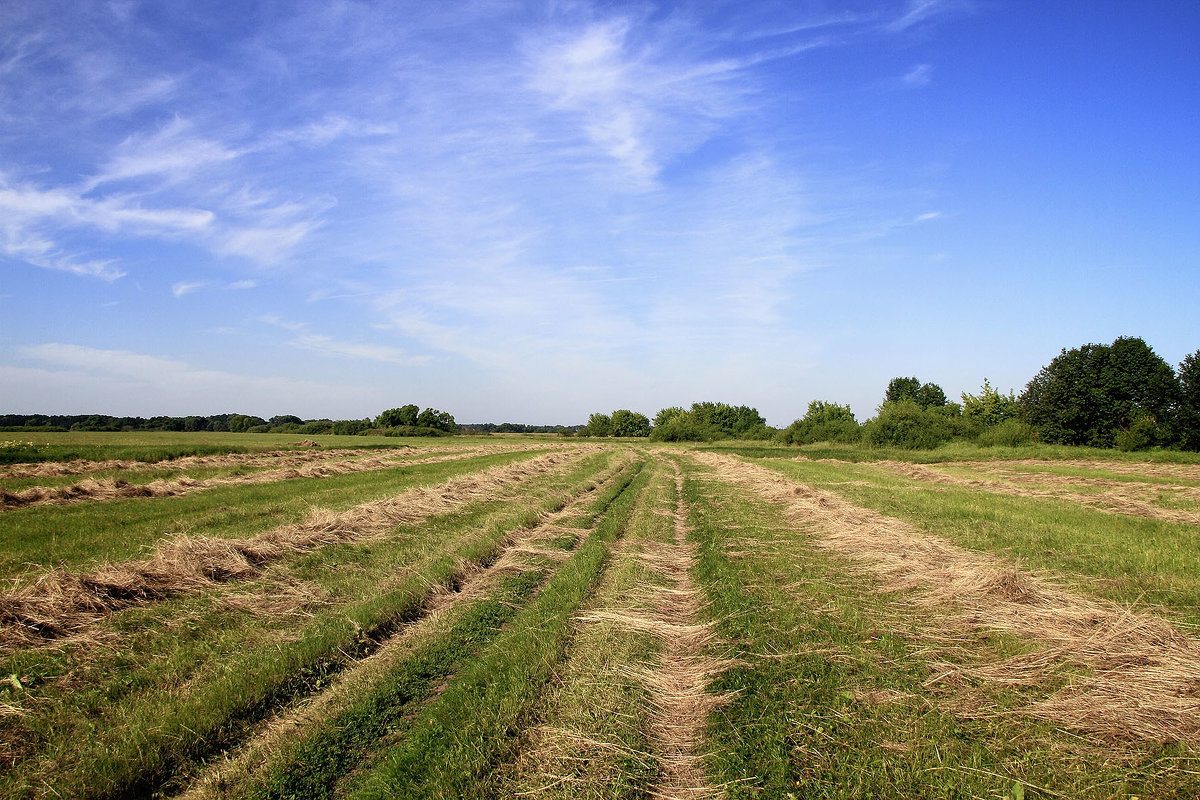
x: 139, y: 743
x: 832, y: 700
x: 954, y: 451
x: 589, y: 738
x: 454, y: 741
x: 1126, y: 559
x: 312, y: 769
x: 87, y: 533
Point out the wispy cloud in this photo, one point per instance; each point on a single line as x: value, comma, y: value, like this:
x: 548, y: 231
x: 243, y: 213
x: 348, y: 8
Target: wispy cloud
x: 180, y: 289
x: 919, y: 75
x: 124, y: 382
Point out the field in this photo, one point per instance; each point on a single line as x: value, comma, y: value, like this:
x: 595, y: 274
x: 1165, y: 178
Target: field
x: 248, y: 616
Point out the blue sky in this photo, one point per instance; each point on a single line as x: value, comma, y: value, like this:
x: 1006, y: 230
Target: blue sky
x: 529, y: 211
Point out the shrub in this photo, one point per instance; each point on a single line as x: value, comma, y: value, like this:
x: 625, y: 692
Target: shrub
x: 908, y: 426
x: 823, y: 422
x: 684, y: 429
x: 1010, y: 433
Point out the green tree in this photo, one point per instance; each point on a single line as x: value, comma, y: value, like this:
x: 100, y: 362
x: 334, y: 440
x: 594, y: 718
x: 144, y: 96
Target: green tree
x: 823, y: 422
x: 396, y: 417
x: 1187, y: 422
x: 597, y: 425
x: 989, y: 407
x: 629, y: 423
x: 901, y: 389
x: 1087, y: 395
x: 240, y: 423
x: 432, y: 418
x: 666, y: 415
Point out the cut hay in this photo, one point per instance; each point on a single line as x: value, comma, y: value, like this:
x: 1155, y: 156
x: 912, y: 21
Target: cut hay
x: 62, y: 604
x: 1142, y: 671
x: 1116, y: 497
x: 109, y: 489
x: 677, y: 684
x: 473, y: 580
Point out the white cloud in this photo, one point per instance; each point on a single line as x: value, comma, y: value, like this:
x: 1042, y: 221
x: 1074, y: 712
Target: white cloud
x: 79, y: 379
x: 180, y: 289
x: 919, y: 75
x: 370, y: 352
x: 246, y: 284
x: 171, y: 153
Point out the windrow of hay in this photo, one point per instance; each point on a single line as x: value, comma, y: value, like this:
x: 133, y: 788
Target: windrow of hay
x: 677, y: 684
x: 1144, y: 679
x: 1117, y: 497
x: 522, y: 550
x: 63, y: 604
x: 109, y: 489
x: 281, y: 458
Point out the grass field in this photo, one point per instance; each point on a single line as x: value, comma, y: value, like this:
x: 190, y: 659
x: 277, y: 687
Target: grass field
x: 240, y: 616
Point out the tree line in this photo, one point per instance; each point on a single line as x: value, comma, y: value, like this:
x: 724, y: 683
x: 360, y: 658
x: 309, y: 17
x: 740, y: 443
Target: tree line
x: 1120, y: 395
x: 408, y: 420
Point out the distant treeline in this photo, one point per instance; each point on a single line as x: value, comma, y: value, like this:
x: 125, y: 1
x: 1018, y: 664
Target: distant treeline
x: 1100, y: 395
x: 406, y: 420
x: 517, y: 427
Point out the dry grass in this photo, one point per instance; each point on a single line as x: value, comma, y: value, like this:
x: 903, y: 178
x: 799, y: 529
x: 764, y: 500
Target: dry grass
x: 1117, y: 497
x: 275, y: 736
x: 63, y: 604
x: 677, y: 683
x: 1142, y: 680
x: 315, y: 465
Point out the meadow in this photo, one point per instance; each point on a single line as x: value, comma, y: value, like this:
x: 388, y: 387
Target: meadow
x: 273, y: 616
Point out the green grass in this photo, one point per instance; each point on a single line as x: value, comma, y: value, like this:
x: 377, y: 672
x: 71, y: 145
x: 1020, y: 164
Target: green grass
x: 831, y: 701
x: 477, y: 720
x: 80, y: 534
x: 120, y: 723
x: 1127, y: 559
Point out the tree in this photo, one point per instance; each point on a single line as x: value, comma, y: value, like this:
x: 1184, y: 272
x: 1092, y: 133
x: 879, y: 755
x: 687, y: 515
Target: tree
x: 901, y: 389
x: 1087, y: 395
x: 597, y: 425
x: 823, y: 422
x: 240, y: 423
x: 629, y: 423
x: 989, y: 407
x: 395, y: 417
x: 1187, y: 421
x: 666, y: 415
x: 432, y: 418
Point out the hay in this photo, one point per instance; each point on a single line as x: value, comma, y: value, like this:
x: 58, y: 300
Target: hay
x: 304, y: 465
x: 472, y: 581
x: 1143, y: 671
x: 1116, y: 497
x: 677, y: 683
x: 61, y: 604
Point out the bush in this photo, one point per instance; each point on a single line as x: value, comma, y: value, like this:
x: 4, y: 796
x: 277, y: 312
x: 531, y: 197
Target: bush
x: 823, y: 422
x: 908, y: 426
x: 685, y: 429
x: 1141, y: 435
x: 1010, y: 433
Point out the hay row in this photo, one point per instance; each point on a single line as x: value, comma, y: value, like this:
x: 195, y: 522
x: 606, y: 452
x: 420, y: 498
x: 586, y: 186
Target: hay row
x: 521, y: 551
x: 677, y: 684
x: 62, y: 604
x: 283, y: 458
x: 91, y: 489
x: 1143, y: 681
x: 1117, y: 498
x: 275, y: 458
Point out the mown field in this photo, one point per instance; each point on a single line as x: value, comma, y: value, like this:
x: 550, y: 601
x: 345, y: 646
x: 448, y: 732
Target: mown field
x: 243, y: 616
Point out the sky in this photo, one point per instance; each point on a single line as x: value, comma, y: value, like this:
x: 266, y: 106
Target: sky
x: 531, y: 211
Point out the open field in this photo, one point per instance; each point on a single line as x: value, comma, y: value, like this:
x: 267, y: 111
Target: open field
x: 237, y: 616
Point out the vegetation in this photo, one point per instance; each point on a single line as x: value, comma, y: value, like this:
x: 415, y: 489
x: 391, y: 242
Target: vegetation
x: 492, y: 618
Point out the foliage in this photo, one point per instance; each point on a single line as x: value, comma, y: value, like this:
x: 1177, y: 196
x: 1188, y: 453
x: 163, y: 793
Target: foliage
x: 440, y: 420
x: 1009, y: 433
x: 598, y: 425
x: 989, y: 407
x: 705, y: 422
x: 823, y: 422
x: 1088, y: 394
x: 908, y: 426
x: 926, y: 395
x: 667, y: 415
x: 684, y: 428
x: 629, y: 423
x: 394, y: 417
x: 1188, y: 419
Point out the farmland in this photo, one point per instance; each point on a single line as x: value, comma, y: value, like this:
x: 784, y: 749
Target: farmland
x: 236, y: 616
